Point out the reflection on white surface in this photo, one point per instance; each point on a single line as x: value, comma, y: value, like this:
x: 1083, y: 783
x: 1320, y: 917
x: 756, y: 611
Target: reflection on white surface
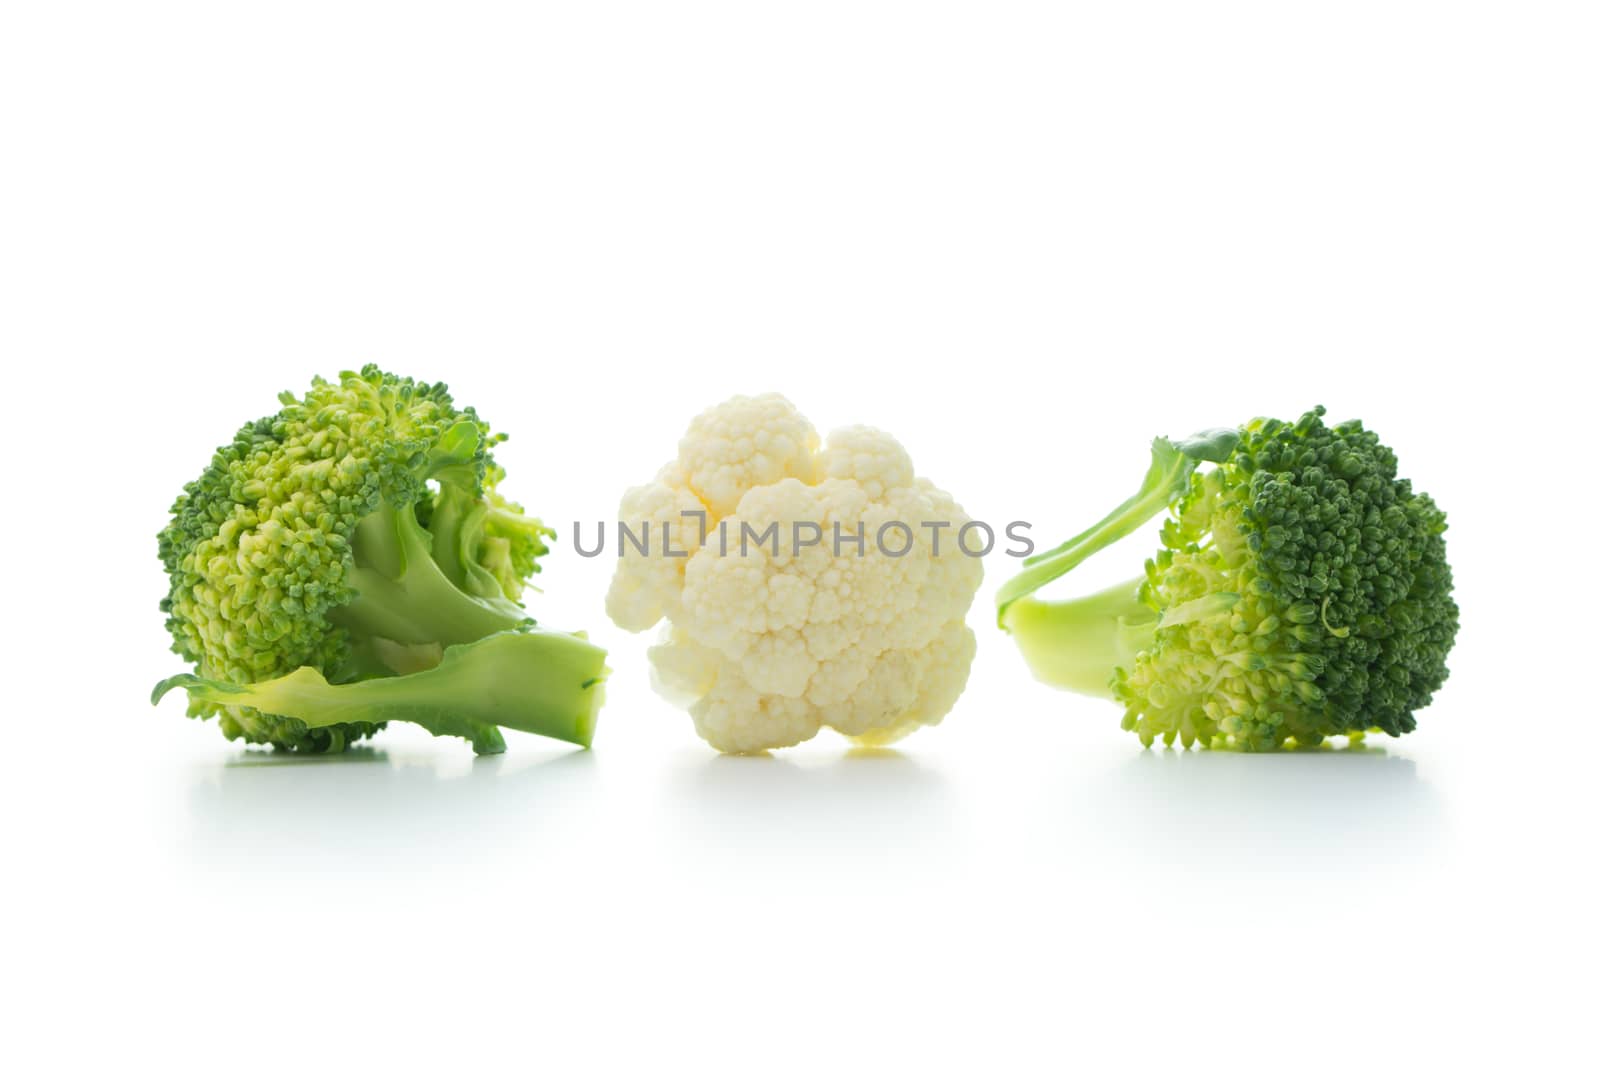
x: 384, y: 812
x: 859, y: 812
x: 1324, y: 809
x: 372, y: 810
x: 863, y: 805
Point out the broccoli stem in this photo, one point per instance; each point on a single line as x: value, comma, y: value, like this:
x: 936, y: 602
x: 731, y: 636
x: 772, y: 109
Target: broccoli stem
x: 403, y: 596
x: 1171, y: 464
x: 456, y: 530
x: 542, y: 682
x: 1080, y: 644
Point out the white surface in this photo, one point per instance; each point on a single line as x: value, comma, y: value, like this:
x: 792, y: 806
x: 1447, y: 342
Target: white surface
x: 1024, y: 239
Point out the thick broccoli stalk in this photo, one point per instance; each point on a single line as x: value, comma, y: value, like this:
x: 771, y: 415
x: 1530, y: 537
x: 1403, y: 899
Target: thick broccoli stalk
x: 543, y: 682
x: 357, y: 534
x: 1301, y: 592
x: 1080, y: 645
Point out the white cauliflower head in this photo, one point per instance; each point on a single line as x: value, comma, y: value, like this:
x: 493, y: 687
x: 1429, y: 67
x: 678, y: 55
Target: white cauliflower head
x: 781, y: 623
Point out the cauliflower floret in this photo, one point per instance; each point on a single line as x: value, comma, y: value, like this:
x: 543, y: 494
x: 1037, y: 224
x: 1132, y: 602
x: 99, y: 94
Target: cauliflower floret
x: 867, y: 456
x: 782, y: 622
x: 747, y: 442
x: 647, y: 585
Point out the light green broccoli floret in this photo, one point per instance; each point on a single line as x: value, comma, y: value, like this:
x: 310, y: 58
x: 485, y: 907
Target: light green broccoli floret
x: 1301, y: 592
x: 358, y: 534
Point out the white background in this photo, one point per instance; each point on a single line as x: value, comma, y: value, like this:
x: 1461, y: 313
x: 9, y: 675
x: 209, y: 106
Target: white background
x: 1024, y: 239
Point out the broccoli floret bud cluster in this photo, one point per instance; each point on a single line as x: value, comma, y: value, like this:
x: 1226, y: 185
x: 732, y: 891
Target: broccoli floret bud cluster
x: 1301, y: 592
x: 1324, y: 599
x: 262, y: 548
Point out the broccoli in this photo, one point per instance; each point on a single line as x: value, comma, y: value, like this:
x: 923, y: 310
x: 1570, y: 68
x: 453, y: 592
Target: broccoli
x: 1301, y: 592
x: 348, y: 561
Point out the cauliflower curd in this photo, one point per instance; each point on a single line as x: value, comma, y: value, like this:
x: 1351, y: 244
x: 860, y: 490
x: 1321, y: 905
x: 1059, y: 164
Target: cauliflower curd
x: 804, y: 587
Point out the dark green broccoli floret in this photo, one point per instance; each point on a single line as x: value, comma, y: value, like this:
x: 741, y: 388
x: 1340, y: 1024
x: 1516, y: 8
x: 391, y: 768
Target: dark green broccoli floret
x: 357, y: 534
x: 1301, y: 592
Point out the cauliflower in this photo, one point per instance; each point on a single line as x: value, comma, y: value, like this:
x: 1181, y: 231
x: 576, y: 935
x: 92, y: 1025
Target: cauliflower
x: 782, y: 622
